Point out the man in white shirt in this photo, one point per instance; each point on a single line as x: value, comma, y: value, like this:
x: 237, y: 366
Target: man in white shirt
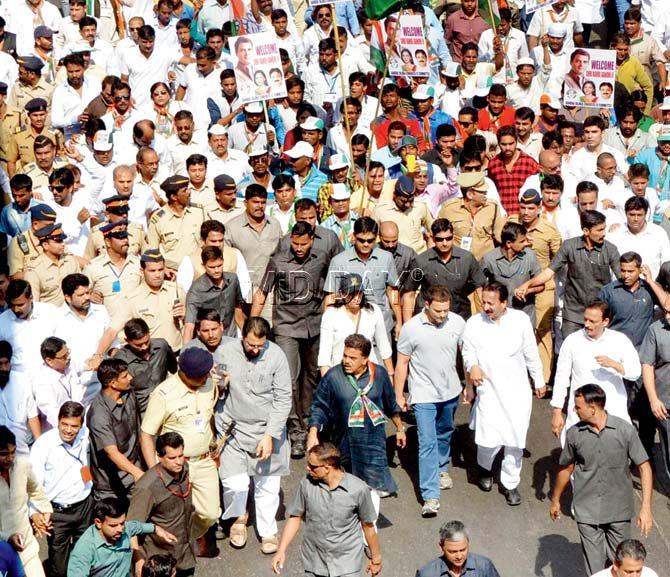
x: 499, y: 351
x: 69, y: 27
x: 638, y: 235
x: 143, y: 66
x: 612, y: 190
x: 82, y: 325
x: 593, y: 355
x: 531, y: 84
x: 55, y: 381
x: 252, y: 134
x: 629, y: 558
x: 559, y: 12
x: 25, y: 325
x: 558, y: 55
x: 102, y: 52
x: 514, y: 46
x: 198, y: 82
x: 18, y: 411
x: 583, y: 162
x: 71, y: 98
x: 225, y: 160
x: 23, y: 17
x: 185, y: 141
x: 70, y: 209
x: 60, y: 462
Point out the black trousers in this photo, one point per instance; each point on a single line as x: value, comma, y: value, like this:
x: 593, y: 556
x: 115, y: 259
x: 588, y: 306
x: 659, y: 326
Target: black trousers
x: 640, y: 410
x: 68, y: 524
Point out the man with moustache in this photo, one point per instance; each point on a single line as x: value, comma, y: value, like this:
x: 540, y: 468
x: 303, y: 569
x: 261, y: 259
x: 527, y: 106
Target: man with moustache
x: 71, y: 98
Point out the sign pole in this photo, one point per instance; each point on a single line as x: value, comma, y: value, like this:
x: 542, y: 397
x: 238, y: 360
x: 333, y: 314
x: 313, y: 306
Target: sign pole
x: 342, y: 85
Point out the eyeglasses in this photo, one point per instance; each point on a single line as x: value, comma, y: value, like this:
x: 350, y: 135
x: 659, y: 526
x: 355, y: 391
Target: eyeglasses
x: 443, y: 238
x: 313, y: 467
x: 58, y: 187
x: 63, y: 357
x: 161, y: 93
x: 465, y: 124
x: 255, y: 159
x: 471, y: 168
x: 365, y: 240
x: 120, y: 98
x: 135, y: 29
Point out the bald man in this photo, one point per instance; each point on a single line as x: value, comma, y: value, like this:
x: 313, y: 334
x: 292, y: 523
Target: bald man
x: 551, y: 163
x: 404, y: 257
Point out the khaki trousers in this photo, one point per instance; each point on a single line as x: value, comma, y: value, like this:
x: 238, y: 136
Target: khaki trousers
x: 204, y: 494
x: 545, y: 307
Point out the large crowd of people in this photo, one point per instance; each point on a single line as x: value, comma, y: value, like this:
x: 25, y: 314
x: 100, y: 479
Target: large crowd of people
x: 212, y: 272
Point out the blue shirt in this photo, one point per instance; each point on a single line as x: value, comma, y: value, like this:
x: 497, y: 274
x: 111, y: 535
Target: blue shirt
x: 658, y: 178
x: 310, y: 187
x: 346, y: 16
x: 13, y: 221
x: 475, y: 566
x: 10, y: 563
x: 92, y: 555
x: 632, y: 312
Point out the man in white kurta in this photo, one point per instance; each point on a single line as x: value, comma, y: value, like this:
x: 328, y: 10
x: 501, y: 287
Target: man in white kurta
x: 499, y: 350
x: 594, y: 355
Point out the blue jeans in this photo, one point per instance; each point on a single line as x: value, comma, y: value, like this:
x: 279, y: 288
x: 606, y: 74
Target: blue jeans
x: 621, y: 7
x: 435, y: 425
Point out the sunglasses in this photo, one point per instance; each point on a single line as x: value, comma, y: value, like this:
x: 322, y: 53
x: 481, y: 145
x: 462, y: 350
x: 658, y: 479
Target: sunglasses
x: 365, y: 240
x: 443, y: 238
x: 135, y: 29
x: 120, y: 98
x: 465, y: 124
x: 58, y: 187
x: 313, y: 467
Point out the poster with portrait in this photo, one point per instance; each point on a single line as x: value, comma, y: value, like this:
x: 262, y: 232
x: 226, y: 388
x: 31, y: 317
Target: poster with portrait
x: 257, y: 67
x: 410, y: 55
x: 589, y: 81
x: 534, y: 5
x: 322, y: 2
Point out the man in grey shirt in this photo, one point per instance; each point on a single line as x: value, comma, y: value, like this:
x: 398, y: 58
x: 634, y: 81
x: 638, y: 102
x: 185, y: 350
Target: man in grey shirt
x: 334, y: 505
x: 590, y: 260
x: 375, y: 266
x: 258, y: 403
x: 512, y: 264
x: 597, y: 451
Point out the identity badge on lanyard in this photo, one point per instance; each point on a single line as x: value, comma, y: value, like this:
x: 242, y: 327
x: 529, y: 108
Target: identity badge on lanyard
x: 116, y: 285
x: 85, y: 470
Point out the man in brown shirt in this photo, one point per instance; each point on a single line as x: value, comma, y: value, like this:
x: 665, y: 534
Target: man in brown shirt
x: 464, y: 25
x: 163, y: 496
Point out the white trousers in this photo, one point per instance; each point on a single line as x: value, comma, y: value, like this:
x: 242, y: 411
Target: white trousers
x: 266, y: 500
x: 510, y: 470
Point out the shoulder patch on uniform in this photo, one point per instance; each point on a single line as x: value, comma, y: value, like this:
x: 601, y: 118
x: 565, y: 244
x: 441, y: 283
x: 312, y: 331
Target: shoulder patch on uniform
x: 158, y: 215
x: 17, y: 130
x: 195, y: 204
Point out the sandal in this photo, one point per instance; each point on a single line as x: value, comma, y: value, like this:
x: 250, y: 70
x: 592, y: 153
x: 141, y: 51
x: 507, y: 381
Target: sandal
x: 238, y: 535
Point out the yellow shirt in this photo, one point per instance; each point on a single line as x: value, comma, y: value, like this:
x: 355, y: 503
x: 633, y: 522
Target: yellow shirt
x: 113, y: 284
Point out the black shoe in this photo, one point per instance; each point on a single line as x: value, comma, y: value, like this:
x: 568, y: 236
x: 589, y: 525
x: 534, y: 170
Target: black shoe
x: 298, y: 449
x: 513, y: 497
x: 485, y: 480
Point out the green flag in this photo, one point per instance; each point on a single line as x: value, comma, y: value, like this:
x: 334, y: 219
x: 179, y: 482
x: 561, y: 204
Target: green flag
x: 485, y: 12
x: 378, y: 9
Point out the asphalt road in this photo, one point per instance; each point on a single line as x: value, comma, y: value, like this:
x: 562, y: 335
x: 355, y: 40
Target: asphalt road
x: 522, y: 541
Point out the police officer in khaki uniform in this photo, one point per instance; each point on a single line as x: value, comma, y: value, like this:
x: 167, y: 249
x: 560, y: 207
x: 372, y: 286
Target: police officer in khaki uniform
x: 10, y: 120
x: 45, y: 163
x: 158, y: 301
x: 26, y: 246
x: 47, y: 270
x: 545, y: 240
x: 174, y: 229
x: 184, y: 403
x: 30, y: 83
x: 116, y: 210
x: 21, y: 142
x: 114, y: 273
x: 225, y: 205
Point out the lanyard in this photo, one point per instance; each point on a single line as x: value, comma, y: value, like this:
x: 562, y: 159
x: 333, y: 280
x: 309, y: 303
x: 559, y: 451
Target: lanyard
x: 331, y: 85
x: 75, y: 457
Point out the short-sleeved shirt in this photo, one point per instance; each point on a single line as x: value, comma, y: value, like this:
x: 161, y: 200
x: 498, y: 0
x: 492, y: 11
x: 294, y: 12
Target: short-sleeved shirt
x: 603, y: 491
x: 432, y: 351
x: 377, y: 272
x: 655, y: 351
x: 113, y: 424
x: 111, y: 283
x: 176, y: 235
x: 224, y: 299
x: 588, y: 271
x: 632, y: 312
x: 513, y: 273
x: 298, y: 288
x: 332, y: 539
x: 45, y: 277
x: 545, y: 240
x: 175, y: 407
x: 461, y: 274
x: 325, y: 241
x: 404, y: 258
x: 412, y: 222
x: 148, y: 373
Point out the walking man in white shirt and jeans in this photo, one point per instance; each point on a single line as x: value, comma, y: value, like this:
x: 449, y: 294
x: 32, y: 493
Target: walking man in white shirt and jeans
x: 427, y: 350
x: 60, y: 462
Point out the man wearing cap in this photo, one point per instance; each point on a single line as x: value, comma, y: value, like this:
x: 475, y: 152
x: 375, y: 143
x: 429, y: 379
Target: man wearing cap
x: 429, y: 117
x: 559, y: 56
x: 223, y: 159
x: 20, y: 151
x: 259, y: 161
x: 30, y: 83
x: 412, y: 217
x: 46, y: 161
x: 46, y: 271
x: 307, y: 175
x: 184, y: 403
x: 43, y: 49
x: 529, y: 86
x: 226, y: 205
x: 114, y: 272
x: 252, y: 133
x: 174, y: 228
x: 161, y: 303
x: 115, y: 211
x: 477, y: 221
x: 341, y: 220
x: 338, y: 165
x: 657, y: 160
x: 561, y: 12
x: 26, y: 246
x: 312, y: 130
x: 545, y: 240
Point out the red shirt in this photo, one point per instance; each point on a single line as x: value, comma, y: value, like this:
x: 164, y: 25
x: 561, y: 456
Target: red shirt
x: 485, y: 122
x: 509, y: 183
x: 380, y: 128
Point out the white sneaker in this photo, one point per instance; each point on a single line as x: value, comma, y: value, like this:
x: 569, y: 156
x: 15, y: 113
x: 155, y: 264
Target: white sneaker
x: 446, y: 482
x: 430, y: 508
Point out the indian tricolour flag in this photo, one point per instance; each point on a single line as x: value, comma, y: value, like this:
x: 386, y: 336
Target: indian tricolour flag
x: 378, y: 46
x: 495, y: 8
x: 239, y: 11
